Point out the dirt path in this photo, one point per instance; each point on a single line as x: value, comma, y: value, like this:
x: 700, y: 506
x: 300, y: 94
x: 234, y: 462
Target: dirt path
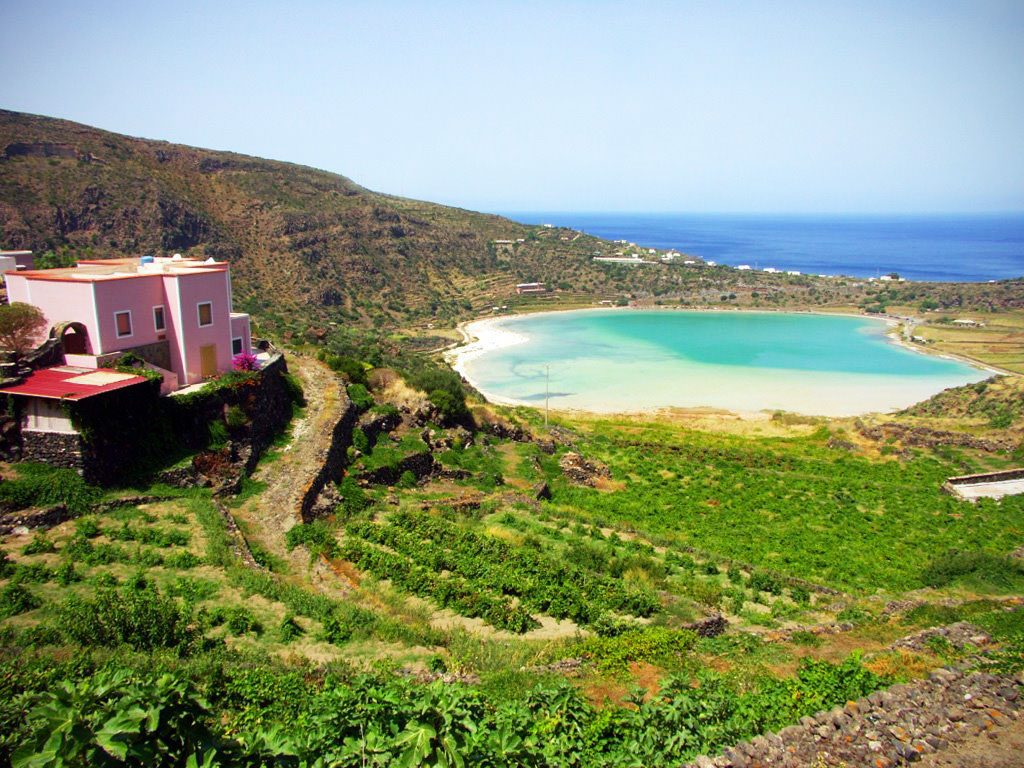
x: 268, y: 515
x: 998, y: 748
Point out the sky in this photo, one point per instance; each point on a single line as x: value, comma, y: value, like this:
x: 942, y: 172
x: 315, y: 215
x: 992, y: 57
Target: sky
x: 809, y: 107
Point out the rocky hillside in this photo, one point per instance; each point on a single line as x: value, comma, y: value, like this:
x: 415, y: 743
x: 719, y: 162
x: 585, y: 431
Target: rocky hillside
x: 314, y: 246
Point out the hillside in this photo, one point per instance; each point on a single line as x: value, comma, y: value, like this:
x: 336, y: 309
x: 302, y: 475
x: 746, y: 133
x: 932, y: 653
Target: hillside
x: 310, y: 247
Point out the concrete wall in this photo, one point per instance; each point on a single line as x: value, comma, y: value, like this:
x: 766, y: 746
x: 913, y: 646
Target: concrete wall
x: 193, y: 290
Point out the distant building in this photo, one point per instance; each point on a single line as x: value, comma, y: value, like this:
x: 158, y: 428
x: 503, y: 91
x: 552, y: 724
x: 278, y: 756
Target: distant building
x: 792, y: 272
x: 966, y: 322
x: 503, y: 242
x: 743, y: 267
x: 522, y: 288
x: 771, y: 270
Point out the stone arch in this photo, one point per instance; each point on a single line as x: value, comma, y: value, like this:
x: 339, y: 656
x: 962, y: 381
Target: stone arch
x: 73, y: 337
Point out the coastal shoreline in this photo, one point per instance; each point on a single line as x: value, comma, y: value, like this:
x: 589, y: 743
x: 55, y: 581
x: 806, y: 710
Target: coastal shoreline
x: 485, y: 335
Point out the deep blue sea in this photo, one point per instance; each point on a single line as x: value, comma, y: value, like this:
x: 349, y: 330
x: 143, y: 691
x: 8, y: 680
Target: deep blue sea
x: 945, y: 248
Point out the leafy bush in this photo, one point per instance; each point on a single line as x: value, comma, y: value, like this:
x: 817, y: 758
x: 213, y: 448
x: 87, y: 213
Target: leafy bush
x: 290, y: 629
x: 360, y: 396
x: 354, y: 370
x: 653, y: 645
x: 978, y: 567
x: 761, y: 581
x: 66, y: 574
x: 15, y: 599
x: 40, y: 545
x: 235, y: 417
x: 39, y: 485
x: 137, y: 615
x: 217, y: 435
x: 115, y: 718
x: 316, y: 536
x: 353, y: 498
x: 88, y: 527
x: 360, y: 441
x: 182, y: 560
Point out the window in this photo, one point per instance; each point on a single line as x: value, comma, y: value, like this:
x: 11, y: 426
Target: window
x: 236, y: 346
x: 158, y: 318
x: 206, y: 313
x: 123, y: 323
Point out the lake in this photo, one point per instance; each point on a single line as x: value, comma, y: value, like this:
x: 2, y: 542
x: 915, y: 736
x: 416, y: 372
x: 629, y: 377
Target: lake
x: 609, y: 360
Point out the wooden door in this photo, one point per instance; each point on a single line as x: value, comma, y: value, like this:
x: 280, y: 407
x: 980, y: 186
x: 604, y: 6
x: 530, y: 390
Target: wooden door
x: 208, y: 360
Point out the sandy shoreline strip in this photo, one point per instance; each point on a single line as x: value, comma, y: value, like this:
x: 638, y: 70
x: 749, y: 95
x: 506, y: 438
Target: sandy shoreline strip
x: 480, y: 337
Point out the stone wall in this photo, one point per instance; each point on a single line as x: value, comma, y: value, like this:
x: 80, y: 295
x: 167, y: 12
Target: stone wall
x: 265, y: 400
x: 54, y: 448
x: 158, y: 353
x: 891, y: 727
x: 333, y: 461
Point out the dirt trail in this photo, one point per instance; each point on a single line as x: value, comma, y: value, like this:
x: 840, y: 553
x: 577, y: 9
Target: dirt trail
x: 998, y: 748
x: 268, y: 515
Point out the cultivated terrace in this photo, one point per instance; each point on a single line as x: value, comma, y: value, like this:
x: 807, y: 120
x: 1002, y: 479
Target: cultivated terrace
x: 404, y: 574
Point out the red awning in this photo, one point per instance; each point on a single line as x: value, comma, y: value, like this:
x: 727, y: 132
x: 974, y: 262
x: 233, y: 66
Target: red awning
x: 65, y: 382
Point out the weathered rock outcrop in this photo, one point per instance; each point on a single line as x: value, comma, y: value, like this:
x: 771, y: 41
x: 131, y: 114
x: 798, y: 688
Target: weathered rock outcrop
x: 583, y: 471
x: 932, y: 438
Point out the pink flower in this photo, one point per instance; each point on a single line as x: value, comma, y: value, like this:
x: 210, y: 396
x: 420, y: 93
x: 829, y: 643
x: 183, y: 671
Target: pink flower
x: 245, y: 361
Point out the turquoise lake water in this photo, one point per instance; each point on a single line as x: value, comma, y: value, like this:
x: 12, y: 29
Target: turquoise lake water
x: 629, y: 360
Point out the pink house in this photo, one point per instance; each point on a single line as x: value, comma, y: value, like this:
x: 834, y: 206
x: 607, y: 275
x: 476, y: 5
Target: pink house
x: 175, y: 313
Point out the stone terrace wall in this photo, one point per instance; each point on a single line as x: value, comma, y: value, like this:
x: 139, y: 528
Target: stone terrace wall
x: 333, y: 461
x: 54, y: 448
x: 888, y: 728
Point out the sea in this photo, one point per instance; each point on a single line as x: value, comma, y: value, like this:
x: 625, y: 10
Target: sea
x: 626, y: 360
x: 945, y: 248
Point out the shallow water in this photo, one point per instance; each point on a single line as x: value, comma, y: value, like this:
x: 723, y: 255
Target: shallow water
x: 627, y: 360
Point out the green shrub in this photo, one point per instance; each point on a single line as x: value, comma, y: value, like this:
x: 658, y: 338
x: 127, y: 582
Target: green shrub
x: 237, y: 619
x: 761, y: 581
x: 354, y: 370
x: 217, y: 435
x: 88, y: 527
x: 137, y: 615
x: 978, y: 567
x: 800, y: 595
x: 115, y: 718
x: 15, y: 599
x: 66, y: 574
x: 182, y: 560
x: 353, y: 498
x: 651, y: 644
x: 235, y: 417
x: 360, y: 396
x: 40, y: 545
x: 360, y: 441
x: 317, y: 537
x: 39, y: 485
x: 407, y: 480
x: 290, y: 629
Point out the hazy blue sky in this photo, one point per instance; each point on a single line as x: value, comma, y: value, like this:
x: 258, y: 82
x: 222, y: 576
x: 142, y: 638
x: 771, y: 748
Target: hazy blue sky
x: 688, y: 106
